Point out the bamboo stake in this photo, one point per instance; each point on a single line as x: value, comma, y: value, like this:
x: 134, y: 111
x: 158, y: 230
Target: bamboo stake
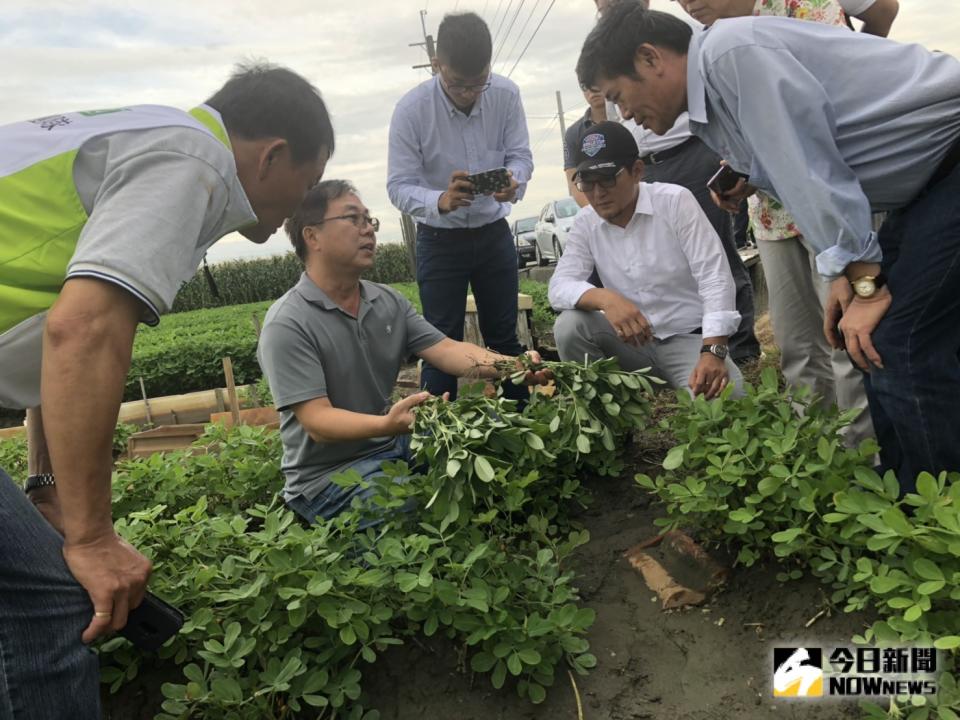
x: 146, y: 401
x: 231, y: 390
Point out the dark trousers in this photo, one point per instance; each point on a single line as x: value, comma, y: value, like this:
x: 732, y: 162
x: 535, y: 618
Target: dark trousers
x: 691, y: 168
x: 448, y: 260
x: 915, y: 398
x: 46, y: 672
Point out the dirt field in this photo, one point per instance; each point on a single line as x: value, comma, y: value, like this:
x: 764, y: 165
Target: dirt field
x: 699, y: 664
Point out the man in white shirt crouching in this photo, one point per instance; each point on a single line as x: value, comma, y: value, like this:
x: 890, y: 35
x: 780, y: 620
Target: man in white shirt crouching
x: 668, y: 297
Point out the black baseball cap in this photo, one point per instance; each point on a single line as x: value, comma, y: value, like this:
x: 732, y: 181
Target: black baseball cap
x: 604, y: 148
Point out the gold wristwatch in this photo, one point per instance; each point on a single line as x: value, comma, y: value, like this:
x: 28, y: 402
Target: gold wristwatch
x: 866, y: 286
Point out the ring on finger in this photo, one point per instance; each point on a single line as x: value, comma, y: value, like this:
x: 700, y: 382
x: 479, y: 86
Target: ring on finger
x: 102, y: 614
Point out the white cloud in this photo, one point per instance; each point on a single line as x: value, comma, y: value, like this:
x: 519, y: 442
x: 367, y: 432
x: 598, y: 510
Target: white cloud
x: 58, y: 56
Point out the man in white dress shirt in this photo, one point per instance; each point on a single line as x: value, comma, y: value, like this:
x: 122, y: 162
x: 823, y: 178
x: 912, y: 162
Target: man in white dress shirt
x: 668, y: 297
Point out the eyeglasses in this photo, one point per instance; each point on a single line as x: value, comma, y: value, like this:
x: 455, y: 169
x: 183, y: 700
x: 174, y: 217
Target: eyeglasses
x: 357, y: 219
x: 586, y: 186
x: 460, y: 89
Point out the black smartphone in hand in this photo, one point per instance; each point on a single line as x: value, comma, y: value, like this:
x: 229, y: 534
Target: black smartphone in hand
x: 724, y: 180
x: 152, y: 623
x: 489, y: 181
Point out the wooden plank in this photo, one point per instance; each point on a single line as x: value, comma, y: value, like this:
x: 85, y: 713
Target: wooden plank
x: 250, y: 416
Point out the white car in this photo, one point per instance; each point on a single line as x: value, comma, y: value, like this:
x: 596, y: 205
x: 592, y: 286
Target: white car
x: 552, y: 228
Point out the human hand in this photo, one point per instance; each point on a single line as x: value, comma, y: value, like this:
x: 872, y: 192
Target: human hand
x: 508, y: 194
x: 459, y: 193
x: 45, y: 500
x: 710, y: 376
x: 626, y: 319
x: 534, y: 376
x: 841, y: 294
x: 730, y: 201
x: 115, y: 576
x: 859, y: 320
x: 399, y: 419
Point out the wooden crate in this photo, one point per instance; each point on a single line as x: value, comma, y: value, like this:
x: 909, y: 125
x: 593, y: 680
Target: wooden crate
x: 471, y: 325
x: 166, y: 438
x: 266, y: 416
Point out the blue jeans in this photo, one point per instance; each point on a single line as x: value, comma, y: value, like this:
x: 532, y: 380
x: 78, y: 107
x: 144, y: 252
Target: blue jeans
x: 486, y: 259
x: 914, y: 397
x: 46, y: 672
x: 333, y: 499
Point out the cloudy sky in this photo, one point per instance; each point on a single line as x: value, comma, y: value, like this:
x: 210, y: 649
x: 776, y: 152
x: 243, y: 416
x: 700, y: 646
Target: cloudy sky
x: 59, y: 56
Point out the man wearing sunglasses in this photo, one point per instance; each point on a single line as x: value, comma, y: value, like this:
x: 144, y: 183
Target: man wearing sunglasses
x: 331, y: 349
x: 464, y: 120
x: 668, y: 297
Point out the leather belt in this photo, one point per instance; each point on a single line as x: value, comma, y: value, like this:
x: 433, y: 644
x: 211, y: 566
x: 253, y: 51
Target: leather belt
x: 655, y: 158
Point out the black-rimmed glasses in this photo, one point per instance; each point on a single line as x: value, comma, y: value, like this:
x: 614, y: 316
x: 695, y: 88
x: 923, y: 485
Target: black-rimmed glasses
x: 357, y: 219
x: 608, y: 182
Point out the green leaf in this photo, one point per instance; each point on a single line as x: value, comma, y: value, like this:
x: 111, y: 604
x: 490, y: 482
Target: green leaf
x: 882, y: 584
x: 319, y: 585
x: 769, y: 485
x: 536, y: 693
x: 930, y: 587
x: 483, y: 468
x: 534, y: 441
x: 499, y: 675
x: 583, y: 444
x: 786, y: 536
x: 529, y: 656
x: 347, y: 635
x: 948, y: 642
x: 927, y: 487
x: 834, y: 518
x: 226, y: 689
x: 315, y: 700
x: 897, y: 521
x: 453, y: 467
x: 482, y: 662
x: 913, y: 613
x: 407, y: 581
x: 927, y: 569
x: 674, y: 458
x: 514, y: 665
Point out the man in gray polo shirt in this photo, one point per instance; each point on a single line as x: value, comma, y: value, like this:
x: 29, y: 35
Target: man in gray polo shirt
x: 331, y: 349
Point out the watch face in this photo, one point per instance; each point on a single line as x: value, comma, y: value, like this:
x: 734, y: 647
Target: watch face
x: 720, y: 351
x: 864, y: 287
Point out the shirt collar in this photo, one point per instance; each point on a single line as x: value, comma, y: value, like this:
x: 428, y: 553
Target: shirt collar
x: 310, y: 292
x: 644, y: 206
x: 696, y: 91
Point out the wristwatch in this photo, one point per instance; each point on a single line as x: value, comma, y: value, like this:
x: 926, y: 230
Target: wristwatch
x: 867, y: 285
x: 718, y: 350
x: 38, y: 481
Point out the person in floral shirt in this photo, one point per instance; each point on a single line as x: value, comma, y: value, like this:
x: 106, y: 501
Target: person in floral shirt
x: 797, y: 293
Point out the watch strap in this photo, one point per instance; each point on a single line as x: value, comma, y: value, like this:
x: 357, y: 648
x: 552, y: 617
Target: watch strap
x: 38, y: 481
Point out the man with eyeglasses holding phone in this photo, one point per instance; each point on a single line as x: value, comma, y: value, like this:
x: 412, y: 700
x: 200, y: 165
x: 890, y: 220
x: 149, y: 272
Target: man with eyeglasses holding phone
x: 331, y: 349
x: 463, y: 121
x: 668, y: 297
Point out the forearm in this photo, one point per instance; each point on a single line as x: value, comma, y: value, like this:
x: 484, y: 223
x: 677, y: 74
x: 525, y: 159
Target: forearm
x: 85, y: 362
x: 333, y: 425
x: 38, y: 456
x: 596, y: 299
x: 462, y: 359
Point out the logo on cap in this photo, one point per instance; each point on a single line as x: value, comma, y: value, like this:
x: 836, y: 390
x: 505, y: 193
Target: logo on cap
x: 593, y: 143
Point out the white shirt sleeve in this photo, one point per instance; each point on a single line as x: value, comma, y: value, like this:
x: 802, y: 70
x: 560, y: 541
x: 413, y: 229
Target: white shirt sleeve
x: 708, y: 264
x: 856, y: 7
x: 147, y: 221
x: 569, y: 281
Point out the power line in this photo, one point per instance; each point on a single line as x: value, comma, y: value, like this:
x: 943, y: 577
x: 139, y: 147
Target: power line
x: 503, y: 40
x: 536, y: 29
x: 506, y: 58
x: 546, y: 132
x: 495, y: 13
x: 505, y: 13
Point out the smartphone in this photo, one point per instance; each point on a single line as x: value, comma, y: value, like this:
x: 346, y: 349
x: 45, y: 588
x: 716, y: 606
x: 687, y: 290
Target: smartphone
x: 489, y: 181
x: 724, y: 180
x: 152, y: 623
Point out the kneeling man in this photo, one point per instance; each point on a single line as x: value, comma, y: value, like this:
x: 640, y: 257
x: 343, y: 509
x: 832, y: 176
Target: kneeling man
x: 331, y: 349
x: 668, y: 297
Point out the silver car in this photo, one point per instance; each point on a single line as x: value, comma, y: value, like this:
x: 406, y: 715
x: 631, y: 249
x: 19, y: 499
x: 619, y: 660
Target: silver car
x: 552, y: 228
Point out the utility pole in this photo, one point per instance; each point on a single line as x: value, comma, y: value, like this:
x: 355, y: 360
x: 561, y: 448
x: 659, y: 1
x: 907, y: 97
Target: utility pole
x: 407, y: 225
x: 563, y: 136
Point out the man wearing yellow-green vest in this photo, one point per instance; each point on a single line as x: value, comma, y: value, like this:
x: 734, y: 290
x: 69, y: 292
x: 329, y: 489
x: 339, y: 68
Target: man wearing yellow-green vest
x: 103, y: 215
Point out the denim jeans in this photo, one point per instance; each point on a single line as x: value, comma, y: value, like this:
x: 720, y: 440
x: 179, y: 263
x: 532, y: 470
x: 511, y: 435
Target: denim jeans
x: 46, y: 672
x: 915, y: 398
x: 486, y: 259
x: 333, y: 499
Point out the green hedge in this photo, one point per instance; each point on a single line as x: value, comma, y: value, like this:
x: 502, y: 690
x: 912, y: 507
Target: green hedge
x: 247, y: 281
x: 183, y: 353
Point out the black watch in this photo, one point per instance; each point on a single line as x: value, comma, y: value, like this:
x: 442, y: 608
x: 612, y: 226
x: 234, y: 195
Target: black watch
x: 38, y: 481
x: 718, y: 350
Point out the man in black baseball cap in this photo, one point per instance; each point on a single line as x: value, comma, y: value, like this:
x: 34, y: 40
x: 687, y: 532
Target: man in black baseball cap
x: 668, y: 298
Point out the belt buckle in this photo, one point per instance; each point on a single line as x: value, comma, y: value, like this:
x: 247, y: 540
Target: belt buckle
x: 652, y: 157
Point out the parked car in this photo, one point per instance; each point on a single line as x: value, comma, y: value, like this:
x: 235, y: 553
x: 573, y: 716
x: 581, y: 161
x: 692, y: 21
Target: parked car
x: 552, y: 228
x: 525, y: 237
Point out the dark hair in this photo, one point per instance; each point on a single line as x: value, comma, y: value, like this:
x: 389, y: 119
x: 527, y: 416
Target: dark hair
x: 611, y: 46
x: 463, y: 43
x: 263, y: 100
x: 312, y: 210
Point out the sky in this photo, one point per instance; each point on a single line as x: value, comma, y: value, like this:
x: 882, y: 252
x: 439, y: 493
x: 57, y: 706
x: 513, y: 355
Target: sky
x: 60, y: 56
